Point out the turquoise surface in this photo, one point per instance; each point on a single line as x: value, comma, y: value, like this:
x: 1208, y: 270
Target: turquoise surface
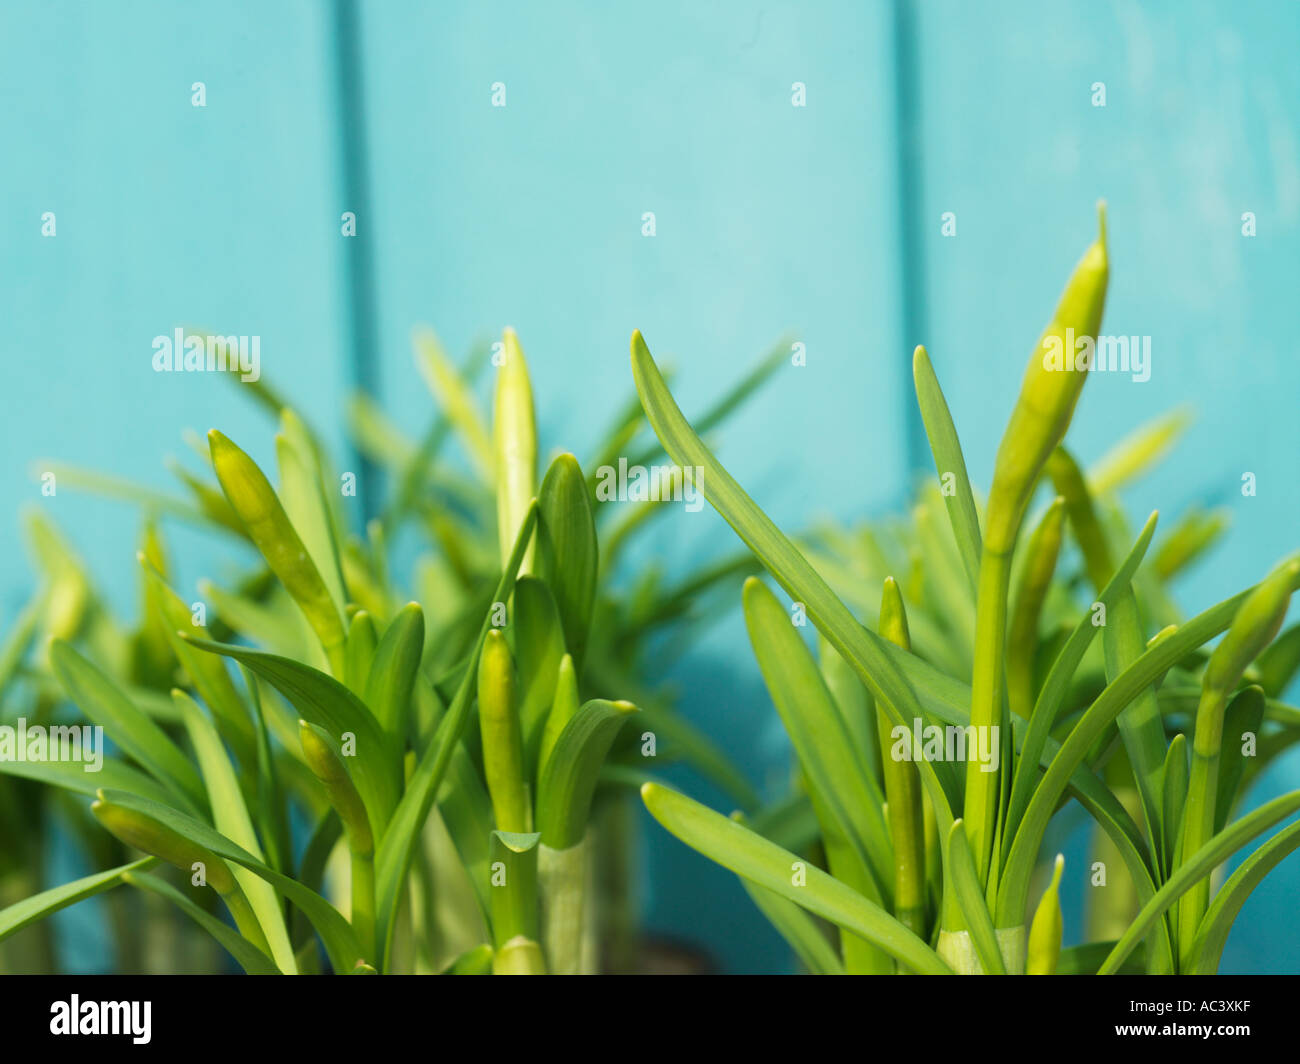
x: 823, y: 222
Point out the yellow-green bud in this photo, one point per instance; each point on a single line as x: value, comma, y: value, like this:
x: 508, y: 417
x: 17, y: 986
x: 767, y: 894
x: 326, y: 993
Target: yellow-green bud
x: 269, y: 527
x: 503, y: 748
x: 158, y: 840
x: 1048, y: 394
x: 514, y: 432
x: 328, y: 767
x: 1047, y: 927
x: 1253, y: 628
x: 893, y: 615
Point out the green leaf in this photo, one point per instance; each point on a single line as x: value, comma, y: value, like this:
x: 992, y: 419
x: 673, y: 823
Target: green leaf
x: 1200, y: 864
x: 855, y: 707
x: 1153, y: 664
x: 276, y: 624
x: 1137, y: 452
x: 374, y: 434
x: 249, y: 957
x: 72, y: 776
x: 230, y: 817
x: 861, y: 648
x: 142, y: 739
x: 302, y: 490
x: 212, y: 505
x: 564, y: 706
x: 798, y: 929
x: 393, y: 669
x: 1278, y: 662
x: 467, y: 811
x: 456, y: 398
x: 1244, y: 716
x: 567, y: 555
x: 944, y: 579
x: 1141, y: 727
x: 28, y: 911
x: 1037, y: 567
x: 208, y: 673
x: 1193, y: 535
x: 843, y: 792
x: 359, y: 652
x: 569, y: 779
x: 340, y: 941
x: 1087, y: 958
x: 325, y: 702
x: 948, y: 459
x: 1220, y: 916
x: 1175, y: 793
x: 733, y: 399
x: 324, y: 837
x: 764, y: 863
x: 19, y: 639
x: 1054, y: 688
x: 271, y: 809
x: 947, y: 700
x: 539, y: 646
x: 111, y: 487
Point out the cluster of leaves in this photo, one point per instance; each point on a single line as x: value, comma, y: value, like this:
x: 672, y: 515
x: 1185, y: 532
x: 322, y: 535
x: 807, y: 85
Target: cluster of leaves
x: 928, y: 864
x: 450, y: 846
x: 1053, y: 587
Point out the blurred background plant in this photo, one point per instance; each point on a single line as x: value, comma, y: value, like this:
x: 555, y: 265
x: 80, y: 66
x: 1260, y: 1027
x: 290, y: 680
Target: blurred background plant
x: 459, y: 513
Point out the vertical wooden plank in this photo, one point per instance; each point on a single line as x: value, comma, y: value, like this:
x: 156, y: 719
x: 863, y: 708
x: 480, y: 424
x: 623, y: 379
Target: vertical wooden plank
x: 167, y: 215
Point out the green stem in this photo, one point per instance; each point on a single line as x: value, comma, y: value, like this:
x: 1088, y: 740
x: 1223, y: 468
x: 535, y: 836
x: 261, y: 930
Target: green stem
x: 860, y: 956
x: 562, y: 876
x: 515, y: 913
x: 1198, y: 812
x: 902, y: 788
x: 1035, y: 581
x: 363, y: 901
x: 980, y: 808
x: 519, y: 956
x: 907, y: 829
x: 958, y: 951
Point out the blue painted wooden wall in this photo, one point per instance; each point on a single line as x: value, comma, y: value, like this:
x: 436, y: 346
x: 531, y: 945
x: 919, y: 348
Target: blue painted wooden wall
x: 822, y: 221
